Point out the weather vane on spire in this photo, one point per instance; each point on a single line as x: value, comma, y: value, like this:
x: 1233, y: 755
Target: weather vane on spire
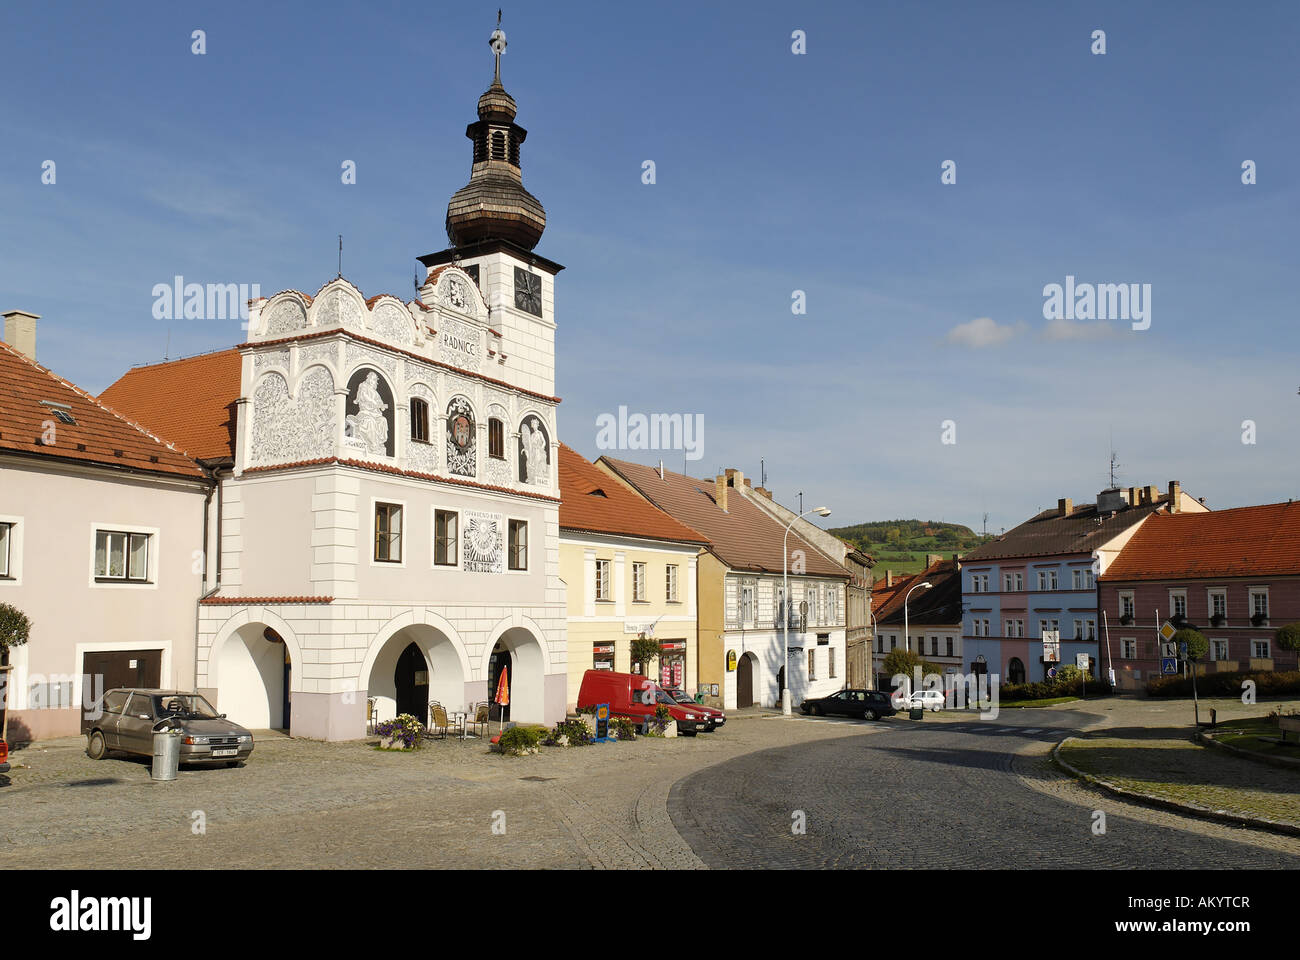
x: 498, y: 44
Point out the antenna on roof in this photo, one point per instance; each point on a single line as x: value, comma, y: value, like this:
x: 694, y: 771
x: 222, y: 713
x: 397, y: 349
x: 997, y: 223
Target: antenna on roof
x: 167, y: 351
x: 340, y: 256
x: 762, y: 473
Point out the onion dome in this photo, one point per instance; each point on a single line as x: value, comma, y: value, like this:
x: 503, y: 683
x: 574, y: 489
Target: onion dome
x: 494, y: 204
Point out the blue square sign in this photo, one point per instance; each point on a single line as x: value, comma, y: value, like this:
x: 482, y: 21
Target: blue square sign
x: 1168, y: 665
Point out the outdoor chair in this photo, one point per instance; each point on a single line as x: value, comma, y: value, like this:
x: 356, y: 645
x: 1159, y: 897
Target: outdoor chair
x: 438, y: 720
x: 480, y: 722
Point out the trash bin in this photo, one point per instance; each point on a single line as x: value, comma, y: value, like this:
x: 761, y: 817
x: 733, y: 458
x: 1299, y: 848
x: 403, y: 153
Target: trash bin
x: 166, y: 750
x: 916, y: 713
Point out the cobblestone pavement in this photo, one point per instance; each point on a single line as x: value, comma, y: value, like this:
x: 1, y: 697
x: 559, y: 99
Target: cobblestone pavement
x: 976, y: 793
x: 960, y: 792
x: 308, y: 805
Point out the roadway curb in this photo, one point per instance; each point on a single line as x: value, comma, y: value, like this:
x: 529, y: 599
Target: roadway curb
x: 1191, y: 809
x: 1208, y: 739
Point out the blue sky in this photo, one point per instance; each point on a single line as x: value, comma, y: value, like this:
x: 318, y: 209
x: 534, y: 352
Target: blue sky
x: 774, y: 173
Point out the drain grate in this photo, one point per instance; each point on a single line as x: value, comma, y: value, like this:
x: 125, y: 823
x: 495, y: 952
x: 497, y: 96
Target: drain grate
x: 537, y: 779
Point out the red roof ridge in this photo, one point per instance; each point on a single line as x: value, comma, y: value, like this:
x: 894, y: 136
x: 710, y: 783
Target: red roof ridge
x: 227, y: 601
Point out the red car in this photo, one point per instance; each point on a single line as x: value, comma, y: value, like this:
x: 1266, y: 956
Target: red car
x: 4, y: 757
x: 636, y: 697
x: 715, y: 716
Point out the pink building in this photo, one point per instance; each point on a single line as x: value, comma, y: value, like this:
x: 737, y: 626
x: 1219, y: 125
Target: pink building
x: 1234, y: 575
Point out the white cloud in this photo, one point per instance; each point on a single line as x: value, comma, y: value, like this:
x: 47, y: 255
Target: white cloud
x: 1061, y: 329
x: 981, y: 332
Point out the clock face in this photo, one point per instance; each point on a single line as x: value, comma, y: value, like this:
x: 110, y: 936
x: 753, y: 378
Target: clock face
x: 528, y: 291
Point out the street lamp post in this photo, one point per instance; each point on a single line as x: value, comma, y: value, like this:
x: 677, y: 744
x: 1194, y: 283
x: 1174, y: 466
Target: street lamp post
x: 907, y: 639
x: 785, y: 613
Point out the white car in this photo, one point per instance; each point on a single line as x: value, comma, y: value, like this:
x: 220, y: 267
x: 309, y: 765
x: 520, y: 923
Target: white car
x: 925, y: 700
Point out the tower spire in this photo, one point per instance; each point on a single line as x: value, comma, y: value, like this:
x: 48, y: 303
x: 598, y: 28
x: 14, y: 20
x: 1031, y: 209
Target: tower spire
x: 498, y: 44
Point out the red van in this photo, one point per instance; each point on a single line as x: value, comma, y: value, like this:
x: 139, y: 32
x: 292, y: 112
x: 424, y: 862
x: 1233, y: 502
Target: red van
x: 627, y: 695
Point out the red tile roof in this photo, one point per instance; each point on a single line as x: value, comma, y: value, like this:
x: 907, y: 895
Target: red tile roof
x: 941, y: 604
x: 1241, y: 542
x: 100, y: 435
x: 744, y: 536
x: 591, y: 500
x: 190, y: 402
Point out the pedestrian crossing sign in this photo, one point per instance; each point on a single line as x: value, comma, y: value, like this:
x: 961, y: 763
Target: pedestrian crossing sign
x: 1168, y: 665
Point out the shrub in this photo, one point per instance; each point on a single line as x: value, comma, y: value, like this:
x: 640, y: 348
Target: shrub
x: 589, y: 710
x: 1197, y: 645
x: 1073, y: 686
x: 520, y: 740
x: 15, y: 628
x: 1274, y: 683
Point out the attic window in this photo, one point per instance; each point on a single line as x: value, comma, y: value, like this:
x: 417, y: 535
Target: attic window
x: 597, y: 493
x: 61, y: 410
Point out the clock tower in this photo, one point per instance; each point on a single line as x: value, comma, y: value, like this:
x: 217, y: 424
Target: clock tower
x: 493, y: 224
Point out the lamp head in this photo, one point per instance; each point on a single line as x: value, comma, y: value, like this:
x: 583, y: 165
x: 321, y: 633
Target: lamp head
x: 822, y: 511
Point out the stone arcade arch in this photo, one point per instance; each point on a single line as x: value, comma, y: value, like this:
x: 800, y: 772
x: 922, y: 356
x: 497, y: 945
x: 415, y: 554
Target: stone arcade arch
x: 250, y: 666
x: 388, y: 663
x: 524, y: 646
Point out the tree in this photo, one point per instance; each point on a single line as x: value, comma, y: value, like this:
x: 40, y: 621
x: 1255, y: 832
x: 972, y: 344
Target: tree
x: 899, y: 660
x: 644, y: 650
x: 15, y: 629
x: 1288, y: 637
x: 1066, y: 673
x: 1197, y: 645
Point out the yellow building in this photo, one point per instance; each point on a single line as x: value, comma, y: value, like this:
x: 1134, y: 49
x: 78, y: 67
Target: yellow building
x: 629, y: 570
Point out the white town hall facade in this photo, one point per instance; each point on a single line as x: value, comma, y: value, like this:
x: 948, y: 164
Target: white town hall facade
x: 387, y: 510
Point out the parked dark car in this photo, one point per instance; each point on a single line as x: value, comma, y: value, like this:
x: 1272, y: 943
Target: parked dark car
x: 864, y: 704
x: 127, y: 717
x: 715, y: 716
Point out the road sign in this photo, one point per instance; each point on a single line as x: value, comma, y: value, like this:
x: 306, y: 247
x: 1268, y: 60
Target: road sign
x: 1168, y: 649
x: 1168, y: 665
x: 1182, y: 649
x: 1167, y: 631
x: 1081, y: 660
x: 1051, y: 672
x: 1112, y: 676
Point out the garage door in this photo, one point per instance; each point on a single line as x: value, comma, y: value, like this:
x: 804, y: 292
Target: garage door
x: 123, y: 668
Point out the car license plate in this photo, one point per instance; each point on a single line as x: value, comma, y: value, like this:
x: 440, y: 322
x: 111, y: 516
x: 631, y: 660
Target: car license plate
x: 225, y: 753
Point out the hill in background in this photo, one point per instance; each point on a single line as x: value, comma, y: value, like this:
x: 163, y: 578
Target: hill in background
x: 902, y: 545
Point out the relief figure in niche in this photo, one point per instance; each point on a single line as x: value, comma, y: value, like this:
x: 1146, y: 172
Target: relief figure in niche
x: 368, y: 424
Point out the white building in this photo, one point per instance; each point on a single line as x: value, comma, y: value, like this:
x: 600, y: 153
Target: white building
x: 388, y: 505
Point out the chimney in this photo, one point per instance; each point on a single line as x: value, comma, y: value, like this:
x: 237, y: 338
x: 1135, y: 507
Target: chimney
x: 20, y: 331
x: 1152, y: 492
x: 932, y: 558
x: 764, y: 491
x: 661, y: 469
x: 748, y: 483
x: 1132, y: 496
x: 889, y: 578
x: 734, y: 477
x: 720, y: 491
x: 1175, y: 494
x: 1064, y: 506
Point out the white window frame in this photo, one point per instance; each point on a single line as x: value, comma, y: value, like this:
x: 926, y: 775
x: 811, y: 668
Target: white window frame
x: 1210, y: 594
x: 13, y: 574
x: 747, y: 603
x: 604, y: 584
x: 1174, y: 597
x: 433, y: 538
x: 639, y: 568
x: 155, y: 555
x: 1268, y: 648
x: 1252, y: 593
x: 1127, y: 595
x: 670, y: 583
x: 1128, y: 648
x: 1214, y: 648
x: 528, y: 545
x: 374, y: 533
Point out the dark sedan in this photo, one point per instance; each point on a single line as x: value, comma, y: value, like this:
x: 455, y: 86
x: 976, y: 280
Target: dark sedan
x: 863, y: 704
x: 126, y: 719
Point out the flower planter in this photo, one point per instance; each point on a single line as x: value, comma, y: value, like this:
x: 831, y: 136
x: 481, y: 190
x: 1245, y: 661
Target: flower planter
x: 394, y: 743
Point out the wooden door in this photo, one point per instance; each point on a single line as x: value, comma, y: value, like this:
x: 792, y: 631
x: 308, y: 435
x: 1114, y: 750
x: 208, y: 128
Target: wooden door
x: 745, y: 682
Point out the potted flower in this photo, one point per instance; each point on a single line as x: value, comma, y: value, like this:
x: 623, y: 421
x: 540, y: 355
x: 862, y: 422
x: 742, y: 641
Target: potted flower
x: 400, y: 733
x: 1258, y: 619
x: 1218, y: 620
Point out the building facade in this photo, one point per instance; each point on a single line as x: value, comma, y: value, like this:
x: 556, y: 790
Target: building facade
x: 744, y: 622
x: 101, y: 547
x: 629, y: 571
x: 931, y: 625
x: 388, y: 514
x: 1039, y: 579
x: 1233, y: 575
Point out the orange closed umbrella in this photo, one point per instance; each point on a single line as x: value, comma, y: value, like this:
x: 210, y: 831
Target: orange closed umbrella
x: 503, y: 694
